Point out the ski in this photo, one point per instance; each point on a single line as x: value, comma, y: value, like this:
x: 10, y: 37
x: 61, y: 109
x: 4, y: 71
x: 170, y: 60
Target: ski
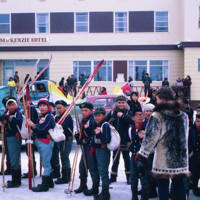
x: 80, y: 92
x: 28, y: 102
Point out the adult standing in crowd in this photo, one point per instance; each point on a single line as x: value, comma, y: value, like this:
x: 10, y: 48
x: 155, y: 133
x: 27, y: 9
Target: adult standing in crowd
x: 16, y: 79
x: 147, y: 83
x: 187, y: 82
x: 167, y: 132
x: 165, y: 83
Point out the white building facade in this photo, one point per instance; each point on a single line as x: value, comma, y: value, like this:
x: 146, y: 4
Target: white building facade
x: 133, y: 37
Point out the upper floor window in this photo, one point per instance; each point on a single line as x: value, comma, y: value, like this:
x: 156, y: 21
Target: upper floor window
x: 4, y: 23
x: 158, y: 70
x: 137, y: 69
x: 82, y: 67
x: 199, y: 17
x: 105, y: 72
x: 161, y: 22
x: 121, y: 22
x: 199, y: 65
x: 42, y: 23
x: 81, y: 22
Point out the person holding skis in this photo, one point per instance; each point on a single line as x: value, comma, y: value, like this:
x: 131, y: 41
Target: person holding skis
x: 88, y: 159
x: 44, y: 143
x: 14, y: 120
x: 64, y: 147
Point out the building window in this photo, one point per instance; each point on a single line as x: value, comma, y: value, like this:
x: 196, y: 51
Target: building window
x: 81, y: 22
x: 199, y: 65
x: 137, y: 69
x: 161, y: 23
x: 199, y: 17
x: 81, y: 67
x: 42, y: 23
x: 121, y: 22
x: 105, y: 72
x: 158, y: 70
x: 4, y: 23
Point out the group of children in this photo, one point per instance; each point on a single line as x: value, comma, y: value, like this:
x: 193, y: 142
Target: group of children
x: 128, y: 117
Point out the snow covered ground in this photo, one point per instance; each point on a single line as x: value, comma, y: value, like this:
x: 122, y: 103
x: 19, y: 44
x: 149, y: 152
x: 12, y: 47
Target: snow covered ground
x: 119, y: 190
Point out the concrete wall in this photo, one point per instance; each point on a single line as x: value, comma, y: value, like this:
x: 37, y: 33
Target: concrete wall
x: 174, y: 7
x: 62, y: 62
x: 191, y: 56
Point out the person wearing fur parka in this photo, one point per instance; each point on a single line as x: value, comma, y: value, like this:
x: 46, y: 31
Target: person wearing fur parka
x: 167, y: 132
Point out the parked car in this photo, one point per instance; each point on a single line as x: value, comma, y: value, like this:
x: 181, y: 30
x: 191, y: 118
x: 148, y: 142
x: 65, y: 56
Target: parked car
x: 106, y: 101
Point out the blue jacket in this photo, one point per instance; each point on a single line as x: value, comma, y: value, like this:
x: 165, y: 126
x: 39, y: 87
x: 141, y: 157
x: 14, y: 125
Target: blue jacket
x: 194, y: 140
x: 136, y: 141
x: 42, y: 130
x: 14, y: 123
x: 87, y: 127
x: 103, y: 137
x: 67, y: 125
x: 121, y: 124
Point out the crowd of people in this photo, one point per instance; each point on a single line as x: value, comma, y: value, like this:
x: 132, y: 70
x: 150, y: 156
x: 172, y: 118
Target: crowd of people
x: 154, y: 143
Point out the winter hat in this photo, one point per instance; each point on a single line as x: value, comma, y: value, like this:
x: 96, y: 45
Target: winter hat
x: 8, y: 99
x: 61, y: 102
x: 148, y: 106
x: 43, y: 101
x: 121, y: 98
x: 100, y: 110
x: 86, y: 105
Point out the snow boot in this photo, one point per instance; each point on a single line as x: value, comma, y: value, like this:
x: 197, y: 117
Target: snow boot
x: 51, y: 183
x: 16, y: 179
x: 134, y: 193
x: 144, y: 195
x: 66, y: 173
x: 113, y: 178
x: 82, y: 187
x: 93, y: 191
x: 44, y: 187
x: 104, y: 195
x: 128, y: 179
x: 56, y: 172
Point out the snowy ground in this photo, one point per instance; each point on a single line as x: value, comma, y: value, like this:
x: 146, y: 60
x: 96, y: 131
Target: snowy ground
x: 119, y: 190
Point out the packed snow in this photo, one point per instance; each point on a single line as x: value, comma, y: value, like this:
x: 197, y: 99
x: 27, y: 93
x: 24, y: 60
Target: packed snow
x: 119, y: 190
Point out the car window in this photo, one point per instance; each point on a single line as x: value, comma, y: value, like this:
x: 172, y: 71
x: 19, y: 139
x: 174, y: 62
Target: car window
x: 102, y: 103
x: 40, y: 87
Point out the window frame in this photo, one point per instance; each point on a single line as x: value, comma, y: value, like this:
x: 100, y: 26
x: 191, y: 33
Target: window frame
x: 128, y: 74
x: 9, y: 14
x: 198, y: 65
x: 36, y: 23
x: 168, y: 71
x: 127, y: 22
x: 155, y: 21
x: 75, y: 23
x: 106, y: 70
x: 78, y: 71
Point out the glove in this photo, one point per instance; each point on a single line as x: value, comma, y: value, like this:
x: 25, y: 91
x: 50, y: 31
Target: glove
x: 77, y: 137
x: 4, y: 117
x: 141, y: 164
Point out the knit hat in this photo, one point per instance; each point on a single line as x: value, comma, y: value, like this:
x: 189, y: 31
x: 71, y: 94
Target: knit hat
x: 148, y: 106
x: 8, y: 99
x: 43, y: 101
x: 100, y: 110
x: 121, y: 98
x: 86, y: 105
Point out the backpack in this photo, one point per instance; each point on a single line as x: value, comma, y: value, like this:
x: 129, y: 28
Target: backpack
x: 24, y: 130
x: 115, y: 138
x: 57, y: 133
